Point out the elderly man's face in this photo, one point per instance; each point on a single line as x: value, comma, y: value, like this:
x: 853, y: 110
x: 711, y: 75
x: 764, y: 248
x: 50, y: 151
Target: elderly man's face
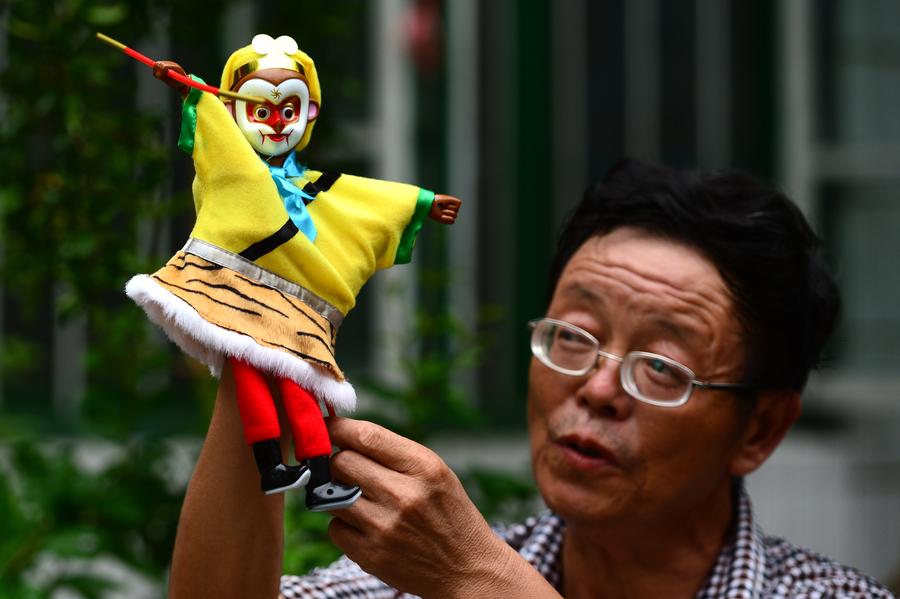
x: 600, y: 455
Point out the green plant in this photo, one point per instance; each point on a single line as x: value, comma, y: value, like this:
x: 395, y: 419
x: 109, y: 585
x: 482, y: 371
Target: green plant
x: 440, y: 348
x: 82, y: 207
x: 58, y: 510
x: 306, y: 542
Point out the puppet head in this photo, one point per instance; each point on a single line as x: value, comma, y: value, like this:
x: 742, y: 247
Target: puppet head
x: 275, y: 69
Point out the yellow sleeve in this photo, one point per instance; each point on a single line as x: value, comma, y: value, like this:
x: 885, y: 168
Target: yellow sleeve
x: 231, y: 184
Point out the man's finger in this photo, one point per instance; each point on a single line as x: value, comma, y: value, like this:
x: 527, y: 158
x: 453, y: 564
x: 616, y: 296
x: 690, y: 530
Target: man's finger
x: 350, y: 466
x: 362, y: 515
x: 347, y: 538
x: 381, y: 445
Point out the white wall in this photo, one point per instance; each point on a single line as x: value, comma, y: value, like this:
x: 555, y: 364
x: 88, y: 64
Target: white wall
x: 838, y: 495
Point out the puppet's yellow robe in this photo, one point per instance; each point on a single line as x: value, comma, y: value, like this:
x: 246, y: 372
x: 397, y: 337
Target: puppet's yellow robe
x: 247, y: 284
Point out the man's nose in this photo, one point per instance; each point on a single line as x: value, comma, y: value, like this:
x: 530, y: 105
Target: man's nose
x: 602, y: 391
x: 278, y: 125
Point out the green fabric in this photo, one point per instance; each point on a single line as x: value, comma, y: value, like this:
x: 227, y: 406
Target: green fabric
x: 408, y: 239
x: 189, y: 119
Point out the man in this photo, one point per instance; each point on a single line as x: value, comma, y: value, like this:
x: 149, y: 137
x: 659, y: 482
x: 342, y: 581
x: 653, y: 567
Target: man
x: 687, y: 310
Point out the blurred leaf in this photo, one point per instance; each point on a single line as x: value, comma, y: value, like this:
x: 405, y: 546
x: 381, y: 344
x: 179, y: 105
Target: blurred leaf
x: 107, y: 15
x: 89, y: 587
x: 74, y: 542
x: 23, y: 29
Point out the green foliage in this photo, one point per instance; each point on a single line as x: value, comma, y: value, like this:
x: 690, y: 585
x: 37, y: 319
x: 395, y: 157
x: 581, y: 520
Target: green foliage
x: 55, y: 508
x: 306, y: 542
x: 82, y: 209
x: 84, y: 202
x: 79, y: 171
x: 441, y: 348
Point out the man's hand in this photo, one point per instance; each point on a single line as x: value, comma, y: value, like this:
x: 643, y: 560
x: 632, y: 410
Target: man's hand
x: 414, y: 527
x: 161, y: 70
x: 444, y: 209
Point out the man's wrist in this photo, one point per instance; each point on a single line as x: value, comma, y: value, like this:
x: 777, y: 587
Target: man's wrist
x: 499, y: 571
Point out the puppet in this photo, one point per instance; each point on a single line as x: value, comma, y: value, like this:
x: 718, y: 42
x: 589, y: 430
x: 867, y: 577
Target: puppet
x: 277, y: 256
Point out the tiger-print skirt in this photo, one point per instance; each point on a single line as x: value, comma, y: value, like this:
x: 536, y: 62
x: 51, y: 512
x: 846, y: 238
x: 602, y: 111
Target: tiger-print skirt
x: 212, y: 312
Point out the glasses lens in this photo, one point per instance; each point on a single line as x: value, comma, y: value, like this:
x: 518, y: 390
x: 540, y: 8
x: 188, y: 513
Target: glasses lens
x: 657, y: 377
x: 562, y: 347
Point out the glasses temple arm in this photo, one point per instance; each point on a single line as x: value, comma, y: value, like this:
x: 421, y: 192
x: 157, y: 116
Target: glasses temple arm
x: 706, y: 385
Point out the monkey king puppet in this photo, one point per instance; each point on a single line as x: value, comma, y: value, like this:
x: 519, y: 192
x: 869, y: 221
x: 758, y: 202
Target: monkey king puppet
x: 277, y: 257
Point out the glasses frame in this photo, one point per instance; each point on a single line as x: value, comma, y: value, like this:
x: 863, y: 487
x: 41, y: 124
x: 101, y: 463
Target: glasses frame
x: 626, y: 378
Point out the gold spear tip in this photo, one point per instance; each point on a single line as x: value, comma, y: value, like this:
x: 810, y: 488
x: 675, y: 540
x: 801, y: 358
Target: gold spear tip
x: 110, y: 41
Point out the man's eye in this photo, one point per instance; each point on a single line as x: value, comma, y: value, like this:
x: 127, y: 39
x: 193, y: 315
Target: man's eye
x: 659, y: 366
x: 572, y: 339
x: 288, y: 113
x: 662, y: 372
x: 261, y: 113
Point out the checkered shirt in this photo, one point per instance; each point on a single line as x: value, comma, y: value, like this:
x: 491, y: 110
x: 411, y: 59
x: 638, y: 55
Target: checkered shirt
x: 750, y: 566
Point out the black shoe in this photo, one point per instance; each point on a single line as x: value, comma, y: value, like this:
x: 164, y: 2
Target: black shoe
x: 282, y: 478
x: 274, y: 476
x: 331, y: 496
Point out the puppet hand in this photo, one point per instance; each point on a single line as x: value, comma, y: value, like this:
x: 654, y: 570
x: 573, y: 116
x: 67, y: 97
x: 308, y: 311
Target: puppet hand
x: 414, y: 527
x: 444, y: 209
x: 161, y: 71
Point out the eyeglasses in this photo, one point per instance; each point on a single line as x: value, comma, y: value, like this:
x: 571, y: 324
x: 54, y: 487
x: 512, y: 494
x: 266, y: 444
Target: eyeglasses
x: 648, y: 377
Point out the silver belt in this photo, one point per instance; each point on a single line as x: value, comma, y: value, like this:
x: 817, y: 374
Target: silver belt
x: 237, y: 263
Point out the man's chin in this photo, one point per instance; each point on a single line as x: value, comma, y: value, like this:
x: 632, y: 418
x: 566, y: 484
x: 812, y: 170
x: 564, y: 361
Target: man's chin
x: 583, y: 499
x: 586, y: 511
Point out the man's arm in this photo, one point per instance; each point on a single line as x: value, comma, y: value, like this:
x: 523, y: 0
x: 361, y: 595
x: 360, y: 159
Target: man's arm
x: 230, y: 535
x: 415, y: 527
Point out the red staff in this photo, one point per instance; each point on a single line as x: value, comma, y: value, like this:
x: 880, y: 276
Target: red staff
x: 178, y: 76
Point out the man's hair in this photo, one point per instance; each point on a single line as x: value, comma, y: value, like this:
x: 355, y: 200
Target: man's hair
x: 767, y: 254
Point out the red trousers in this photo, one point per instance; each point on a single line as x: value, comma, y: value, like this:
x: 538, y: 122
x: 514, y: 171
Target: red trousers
x: 260, y: 419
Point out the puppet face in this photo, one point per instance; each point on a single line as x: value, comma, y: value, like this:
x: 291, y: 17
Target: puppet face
x: 276, y: 127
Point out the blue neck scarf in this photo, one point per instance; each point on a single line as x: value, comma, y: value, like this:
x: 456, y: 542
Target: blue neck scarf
x: 292, y: 195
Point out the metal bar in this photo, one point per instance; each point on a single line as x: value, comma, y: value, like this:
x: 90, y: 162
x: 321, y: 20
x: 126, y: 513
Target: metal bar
x: 713, y: 83
x: 642, y: 76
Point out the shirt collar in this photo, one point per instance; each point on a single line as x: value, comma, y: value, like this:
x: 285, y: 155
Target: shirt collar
x: 739, y: 571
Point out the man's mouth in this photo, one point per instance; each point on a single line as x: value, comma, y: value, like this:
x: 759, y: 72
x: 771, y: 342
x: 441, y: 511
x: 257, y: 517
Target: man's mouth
x: 277, y: 137
x: 585, y: 452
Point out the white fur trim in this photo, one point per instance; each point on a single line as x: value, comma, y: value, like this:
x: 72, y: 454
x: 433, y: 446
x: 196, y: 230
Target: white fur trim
x: 210, y: 344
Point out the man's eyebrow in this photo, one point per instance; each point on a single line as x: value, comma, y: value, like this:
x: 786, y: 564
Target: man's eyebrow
x: 584, y: 293
x: 686, y: 334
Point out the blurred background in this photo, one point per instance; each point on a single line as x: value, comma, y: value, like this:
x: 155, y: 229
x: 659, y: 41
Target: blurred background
x: 514, y: 106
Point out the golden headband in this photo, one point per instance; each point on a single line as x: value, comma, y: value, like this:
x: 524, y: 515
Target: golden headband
x: 255, y: 65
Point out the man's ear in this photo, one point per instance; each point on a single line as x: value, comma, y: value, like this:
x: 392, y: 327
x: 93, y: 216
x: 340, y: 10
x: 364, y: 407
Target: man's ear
x: 768, y: 423
x: 313, y: 111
